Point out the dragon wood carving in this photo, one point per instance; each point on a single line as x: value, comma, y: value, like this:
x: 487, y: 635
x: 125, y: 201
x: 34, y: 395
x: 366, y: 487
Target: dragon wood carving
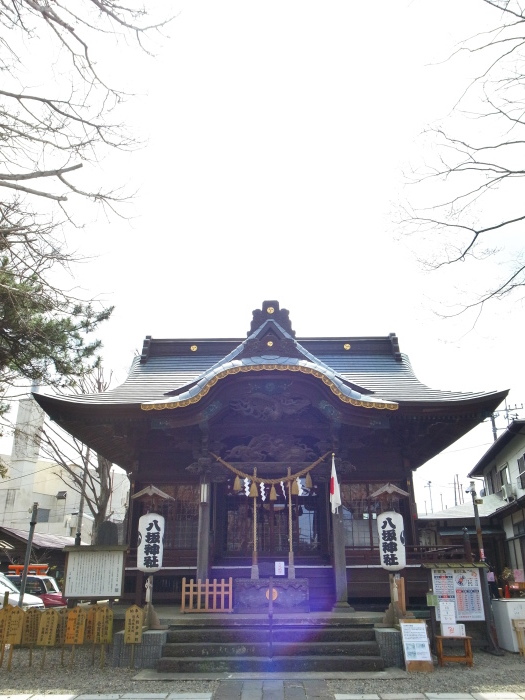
x: 268, y: 408
x: 265, y: 448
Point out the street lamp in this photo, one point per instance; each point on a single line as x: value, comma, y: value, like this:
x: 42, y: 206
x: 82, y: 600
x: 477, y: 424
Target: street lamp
x: 492, y: 646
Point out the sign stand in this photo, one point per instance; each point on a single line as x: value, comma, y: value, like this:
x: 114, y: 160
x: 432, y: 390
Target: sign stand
x: 416, y: 648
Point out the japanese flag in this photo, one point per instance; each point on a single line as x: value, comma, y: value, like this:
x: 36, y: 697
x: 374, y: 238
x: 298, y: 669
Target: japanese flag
x: 335, y: 493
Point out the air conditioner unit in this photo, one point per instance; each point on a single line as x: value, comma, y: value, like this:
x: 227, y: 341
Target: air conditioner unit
x: 508, y: 493
x: 71, y: 521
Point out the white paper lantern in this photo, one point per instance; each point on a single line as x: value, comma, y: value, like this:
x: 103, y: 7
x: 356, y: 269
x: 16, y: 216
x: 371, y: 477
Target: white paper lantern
x: 391, y: 540
x: 150, y: 547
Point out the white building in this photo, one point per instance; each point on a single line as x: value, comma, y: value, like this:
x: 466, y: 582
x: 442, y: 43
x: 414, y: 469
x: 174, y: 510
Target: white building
x: 33, y: 480
x: 503, y: 470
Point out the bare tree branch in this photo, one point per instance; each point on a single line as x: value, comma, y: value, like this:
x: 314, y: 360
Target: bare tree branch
x: 467, y: 204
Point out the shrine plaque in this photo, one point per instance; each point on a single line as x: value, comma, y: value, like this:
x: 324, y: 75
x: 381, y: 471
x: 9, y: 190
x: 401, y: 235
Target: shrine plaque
x: 14, y: 626
x: 47, y: 629
x: 133, y: 625
x: 31, y: 622
x: 103, y: 632
x: 76, y: 626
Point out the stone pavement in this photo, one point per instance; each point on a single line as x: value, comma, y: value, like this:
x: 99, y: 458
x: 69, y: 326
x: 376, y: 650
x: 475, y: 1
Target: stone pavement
x: 274, y: 690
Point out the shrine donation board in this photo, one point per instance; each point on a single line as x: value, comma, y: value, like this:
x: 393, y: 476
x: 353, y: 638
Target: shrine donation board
x: 93, y: 572
x: 461, y: 587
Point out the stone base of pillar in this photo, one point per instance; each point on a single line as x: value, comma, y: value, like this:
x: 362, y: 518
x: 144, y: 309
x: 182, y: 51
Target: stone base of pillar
x: 341, y: 606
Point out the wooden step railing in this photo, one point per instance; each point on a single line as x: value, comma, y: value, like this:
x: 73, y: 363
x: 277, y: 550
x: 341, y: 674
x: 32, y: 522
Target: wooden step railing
x: 207, y: 596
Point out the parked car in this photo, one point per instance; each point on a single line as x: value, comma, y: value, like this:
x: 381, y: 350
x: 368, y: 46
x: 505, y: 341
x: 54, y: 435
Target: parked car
x: 28, y: 601
x: 45, y: 587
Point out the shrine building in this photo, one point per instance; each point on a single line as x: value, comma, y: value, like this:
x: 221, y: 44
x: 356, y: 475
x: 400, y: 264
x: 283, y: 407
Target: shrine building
x: 236, y: 437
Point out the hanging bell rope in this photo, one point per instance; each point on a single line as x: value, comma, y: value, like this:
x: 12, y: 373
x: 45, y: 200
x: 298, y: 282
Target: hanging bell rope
x: 271, y: 482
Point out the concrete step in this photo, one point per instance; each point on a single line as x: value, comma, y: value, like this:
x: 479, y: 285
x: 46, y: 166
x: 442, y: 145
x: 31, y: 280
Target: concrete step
x: 257, y: 664
x: 319, y: 635
x: 292, y: 648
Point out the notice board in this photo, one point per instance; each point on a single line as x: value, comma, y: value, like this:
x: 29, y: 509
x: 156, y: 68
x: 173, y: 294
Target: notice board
x: 461, y: 587
x: 94, y: 572
x: 416, y: 647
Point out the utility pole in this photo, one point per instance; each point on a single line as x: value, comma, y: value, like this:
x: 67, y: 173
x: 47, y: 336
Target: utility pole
x: 80, y: 516
x: 492, y: 645
x: 32, y: 525
x: 511, y: 412
x: 493, y: 417
x: 429, y: 486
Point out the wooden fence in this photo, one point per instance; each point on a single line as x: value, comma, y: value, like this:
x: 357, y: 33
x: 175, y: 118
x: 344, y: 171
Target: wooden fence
x: 208, y: 596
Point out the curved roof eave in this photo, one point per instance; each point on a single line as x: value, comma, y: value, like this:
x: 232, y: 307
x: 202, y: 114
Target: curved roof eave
x: 199, y: 388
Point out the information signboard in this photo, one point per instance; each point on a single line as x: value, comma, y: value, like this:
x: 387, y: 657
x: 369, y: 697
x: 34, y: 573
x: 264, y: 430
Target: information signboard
x: 463, y: 588
x: 94, y: 572
x: 416, y: 648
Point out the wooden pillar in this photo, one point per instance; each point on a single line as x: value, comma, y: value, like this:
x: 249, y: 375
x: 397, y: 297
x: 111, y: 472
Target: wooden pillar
x: 412, y: 507
x: 339, y: 562
x: 203, y: 531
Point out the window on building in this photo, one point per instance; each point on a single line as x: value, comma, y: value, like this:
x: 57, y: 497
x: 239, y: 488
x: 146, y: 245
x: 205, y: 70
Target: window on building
x: 521, y: 472
x: 519, y: 528
x: 503, y: 471
x: 360, y: 514
x: 181, y: 514
x: 42, y: 515
x: 496, y: 477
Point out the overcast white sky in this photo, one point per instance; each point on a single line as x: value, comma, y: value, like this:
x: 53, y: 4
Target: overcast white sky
x: 277, y: 133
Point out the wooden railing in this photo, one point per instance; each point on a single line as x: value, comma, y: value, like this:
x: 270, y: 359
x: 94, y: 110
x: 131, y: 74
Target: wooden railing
x: 208, y: 596
x: 415, y: 554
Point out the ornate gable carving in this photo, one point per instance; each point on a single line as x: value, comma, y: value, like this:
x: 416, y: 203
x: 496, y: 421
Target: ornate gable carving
x: 270, y: 345
x: 271, y: 310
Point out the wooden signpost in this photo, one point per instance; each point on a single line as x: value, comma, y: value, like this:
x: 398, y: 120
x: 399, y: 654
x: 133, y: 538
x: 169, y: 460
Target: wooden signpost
x: 89, y: 633
x: 75, y: 629
x: 61, y: 632
x: 133, y: 624
x: 30, y: 631
x: 3, y: 627
x: 103, y: 630
x: 13, y: 630
x: 47, y: 631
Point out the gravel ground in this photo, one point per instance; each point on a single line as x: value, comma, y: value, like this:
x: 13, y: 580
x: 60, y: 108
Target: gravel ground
x: 489, y: 674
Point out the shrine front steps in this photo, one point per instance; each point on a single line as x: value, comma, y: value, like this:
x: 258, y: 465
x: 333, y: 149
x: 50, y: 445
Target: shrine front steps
x: 231, y: 646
